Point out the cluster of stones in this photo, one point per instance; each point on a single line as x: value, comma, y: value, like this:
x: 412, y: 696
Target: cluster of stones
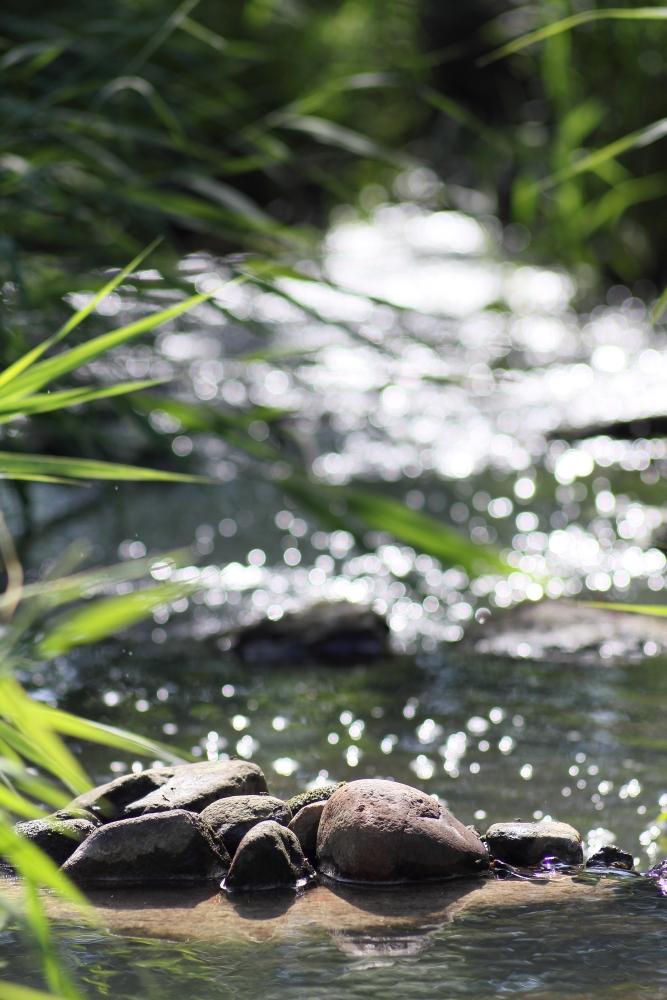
x: 216, y: 820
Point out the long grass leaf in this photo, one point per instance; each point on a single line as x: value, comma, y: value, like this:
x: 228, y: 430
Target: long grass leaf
x: 16, y: 466
x: 87, y: 583
x: 45, y: 371
x: 15, y: 803
x: 13, y: 991
x: 13, y: 568
x: 29, y: 750
x: 634, y: 140
x: 48, y: 402
x: 28, y: 717
x: 657, y: 610
x: 27, y: 858
x: 39, y: 788
x: 567, y: 23
x: 331, y: 134
x: 464, y: 117
x: 122, y: 739
x: 102, y: 618
x: 28, y: 359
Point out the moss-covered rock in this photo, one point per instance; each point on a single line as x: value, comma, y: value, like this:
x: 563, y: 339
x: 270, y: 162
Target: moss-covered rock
x: 314, y: 795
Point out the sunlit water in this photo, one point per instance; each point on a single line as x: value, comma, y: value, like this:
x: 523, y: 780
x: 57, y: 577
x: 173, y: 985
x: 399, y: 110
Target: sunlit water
x: 452, y: 392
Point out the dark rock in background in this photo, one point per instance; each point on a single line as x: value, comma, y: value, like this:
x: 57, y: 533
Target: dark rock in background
x: 305, y: 825
x: 157, y: 847
x: 383, y: 831
x: 335, y: 632
x: 611, y: 857
x: 530, y: 843
x: 268, y: 857
x: 565, y: 631
x: 59, y: 838
x: 232, y: 817
x: 196, y: 786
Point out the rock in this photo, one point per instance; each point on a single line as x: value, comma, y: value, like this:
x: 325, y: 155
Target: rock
x: 320, y: 794
x: 382, y: 831
x: 305, y: 825
x: 611, y: 857
x: 59, y: 838
x: 268, y: 857
x: 108, y: 802
x: 196, y: 786
x: 566, y: 631
x: 166, y: 845
x: 231, y: 818
x: 336, y: 632
x: 76, y: 812
x: 526, y: 844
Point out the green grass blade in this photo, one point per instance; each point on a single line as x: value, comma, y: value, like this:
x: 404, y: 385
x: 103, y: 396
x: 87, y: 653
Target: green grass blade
x: 12, y: 991
x: 634, y: 140
x: 104, y: 617
x: 71, y: 588
x: 38, y: 376
x: 15, y: 803
x: 27, y: 716
x: 11, y: 373
x: 15, y: 466
x: 331, y: 134
x: 567, y: 23
x: 464, y: 117
x: 30, y: 751
x: 28, y: 859
x: 97, y: 732
x: 37, y: 787
x: 48, y: 402
x: 657, y: 610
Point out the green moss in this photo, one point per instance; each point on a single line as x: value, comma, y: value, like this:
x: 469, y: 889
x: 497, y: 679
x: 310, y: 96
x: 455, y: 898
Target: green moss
x: 314, y: 795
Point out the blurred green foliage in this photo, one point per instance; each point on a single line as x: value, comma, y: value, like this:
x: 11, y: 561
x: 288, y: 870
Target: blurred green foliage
x: 554, y: 102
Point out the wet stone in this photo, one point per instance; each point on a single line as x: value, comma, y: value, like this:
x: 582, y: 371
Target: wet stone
x: 611, y: 857
x: 268, y: 857
x: 59, y: 838
x: 231, y: 818
x: 77, y: 812
x: 109, y: 801
x: 383, y: 831
x: 157, y: 847
x: 196, y: 786
x: 530, y: 843
x: 329, y: 631
x: 305, y: 825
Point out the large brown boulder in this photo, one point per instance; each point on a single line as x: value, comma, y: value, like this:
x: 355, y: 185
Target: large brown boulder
x: 157, y: 847
x: 382, y: 831
x: 268, y: 857
x: 195, y: 786
x: 231, y: 818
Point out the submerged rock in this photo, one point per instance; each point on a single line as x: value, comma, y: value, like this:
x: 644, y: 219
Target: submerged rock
x: 196, y: 786
x: 383, y: 831
x: 527, y: 844
x: 59, y: 838
x: 268, y: 857
x: 305, y: 825
x: 320, y: 794
x: 611, y: 857
x: 108, y: 801
x: 231, y: 818
x: 336, y: 632
x: 166, y: 845
x: 566, y: 631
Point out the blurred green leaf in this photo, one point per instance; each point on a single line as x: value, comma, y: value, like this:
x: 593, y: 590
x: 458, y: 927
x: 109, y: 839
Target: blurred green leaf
x: 47, y: 402
x: 567, y: 23
x: 102, y: 618
x: 17, y: 466
x: 657, y: 610
x: 13, y: 991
